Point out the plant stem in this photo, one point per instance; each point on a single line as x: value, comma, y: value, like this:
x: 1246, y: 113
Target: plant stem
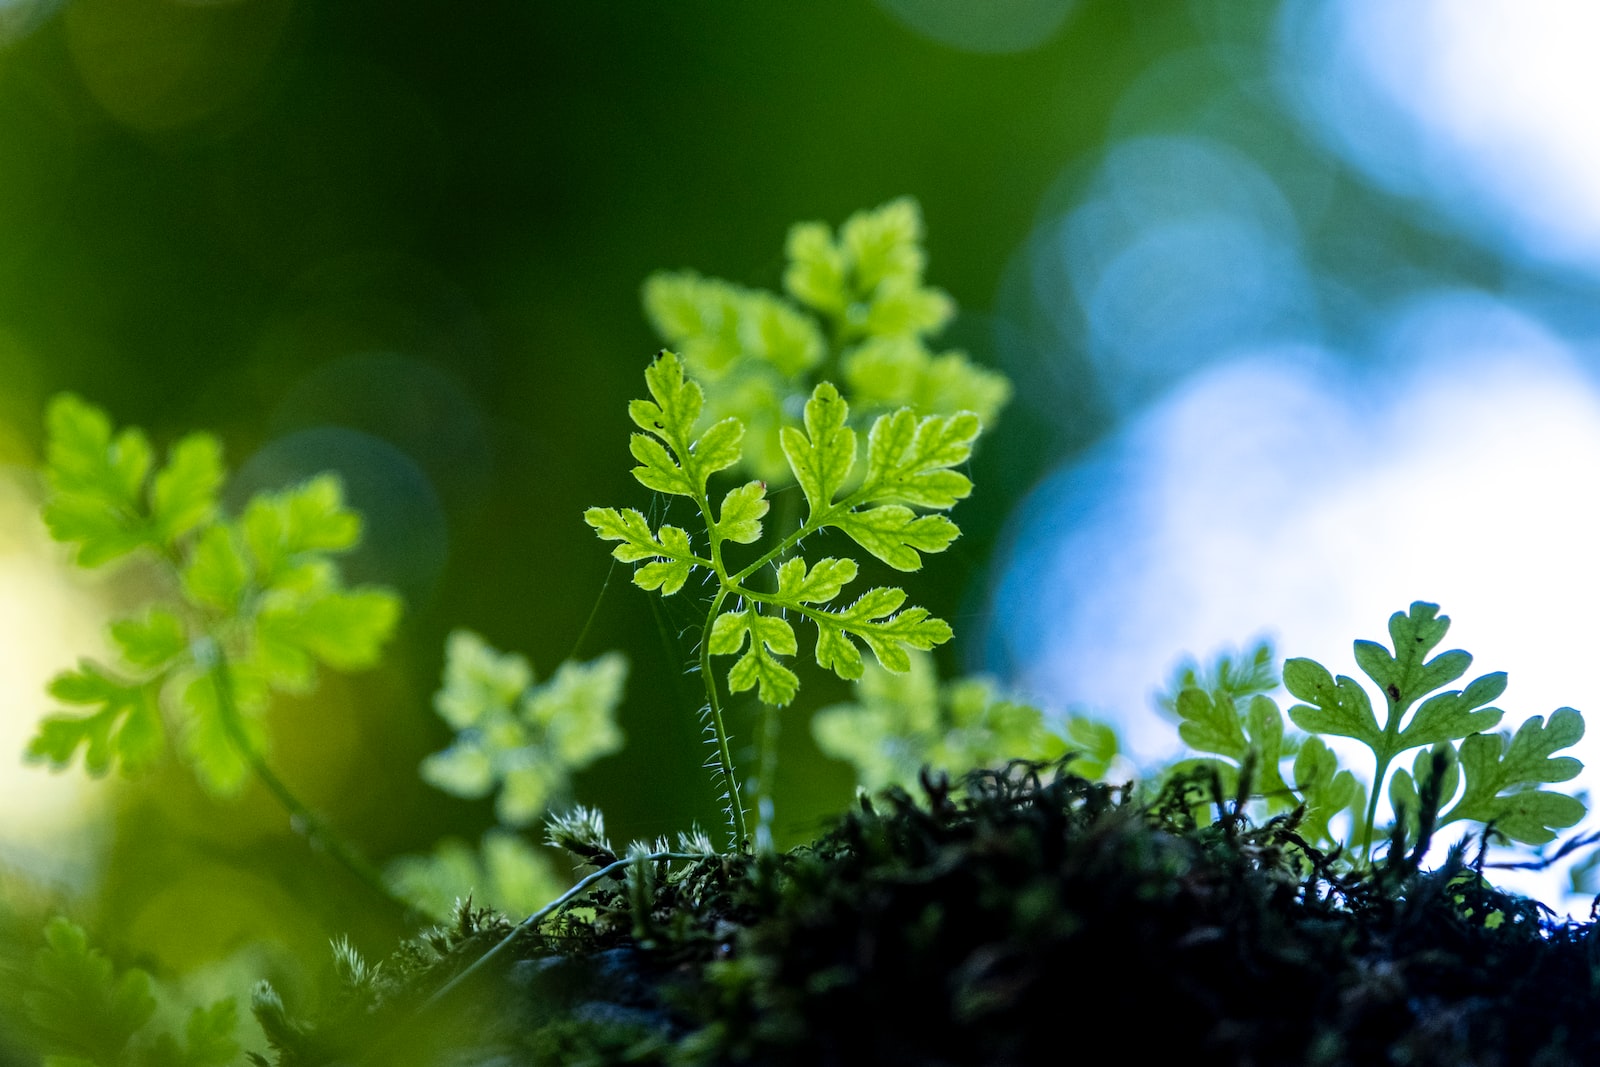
x: 719, y: 729
x: 777, y: 550
x: 767, y: 757
x: 209, y: 653
x: 1372, y: 808
x: 723, y: 756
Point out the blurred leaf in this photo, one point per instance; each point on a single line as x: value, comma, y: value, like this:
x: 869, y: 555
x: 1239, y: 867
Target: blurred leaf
x: 183, y: 495
x: 345, y: 629
x: 78, y: 1000
x: 900, y: 723
x: 504, y: 873
x: 217, y: 573
x: 152, y: 641
x: 576, y: 709
x: 478, y: 680
x: 869, y: 279
x: 893, y: 372
x: 524, y: 739
x: 125, y: 731
x: 96, y: 482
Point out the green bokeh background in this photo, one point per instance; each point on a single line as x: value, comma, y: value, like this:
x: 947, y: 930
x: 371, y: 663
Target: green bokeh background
x: 429, y: 223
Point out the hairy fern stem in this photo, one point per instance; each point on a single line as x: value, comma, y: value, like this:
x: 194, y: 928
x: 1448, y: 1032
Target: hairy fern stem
x: 721, y: 762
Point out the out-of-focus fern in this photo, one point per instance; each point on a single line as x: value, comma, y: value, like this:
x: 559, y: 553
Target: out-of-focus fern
x: 524, y: 740
x: 262, y: 589
x: 857, y: 314
x: 246, y: 605
x: 503, y: 872
x: 86, y: 1012
x: 899, y: 724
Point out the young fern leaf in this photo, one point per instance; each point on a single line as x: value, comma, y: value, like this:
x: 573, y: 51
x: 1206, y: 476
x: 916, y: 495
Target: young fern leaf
x: 769, y: 636
x: 908, y: 462
x: 908, y: 465
x: 667, y: 549
x: 1501, y: 772
x: 1501, y: 775
x: 1340, y: 707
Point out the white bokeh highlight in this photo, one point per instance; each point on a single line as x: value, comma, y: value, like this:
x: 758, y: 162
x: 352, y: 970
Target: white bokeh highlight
x: 1280, y: 494
x: 1484, y: 110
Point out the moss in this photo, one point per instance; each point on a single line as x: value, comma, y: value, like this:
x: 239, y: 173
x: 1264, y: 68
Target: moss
x: 1013, y: 921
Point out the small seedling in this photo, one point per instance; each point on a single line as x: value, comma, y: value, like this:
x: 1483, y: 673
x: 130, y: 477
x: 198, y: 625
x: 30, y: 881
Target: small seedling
x: 909, y: 464
x: 1502, y: 773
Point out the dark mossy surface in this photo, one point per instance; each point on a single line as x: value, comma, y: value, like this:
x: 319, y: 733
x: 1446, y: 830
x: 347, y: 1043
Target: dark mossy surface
x: 1021, y: 918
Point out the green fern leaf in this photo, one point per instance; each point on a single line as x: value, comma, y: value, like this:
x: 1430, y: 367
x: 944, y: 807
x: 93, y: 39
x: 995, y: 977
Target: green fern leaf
x: 125, y: 730
x: 822, y: 456
x: 739, y: 518
x: 671, y: 418
x: 668, y: 549
x: 1337, y: 708
x: 908, y: 458
x: 183, y: 494
x: 877, y: 620
x: 769, y: 637
x: 1501, y: 779
x: 818, y: 585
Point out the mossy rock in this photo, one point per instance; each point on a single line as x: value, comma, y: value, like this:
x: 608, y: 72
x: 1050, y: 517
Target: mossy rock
x: 1028, y: 916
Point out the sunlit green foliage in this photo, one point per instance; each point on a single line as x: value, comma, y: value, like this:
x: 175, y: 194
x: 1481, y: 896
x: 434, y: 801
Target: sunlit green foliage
x: 262, y: 589
x: 900, y: 724
x: 910, y: 463
x: 846, y: 349
x: 1235, y: 720
x: 89, y: 1013
x: 858, y: 314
